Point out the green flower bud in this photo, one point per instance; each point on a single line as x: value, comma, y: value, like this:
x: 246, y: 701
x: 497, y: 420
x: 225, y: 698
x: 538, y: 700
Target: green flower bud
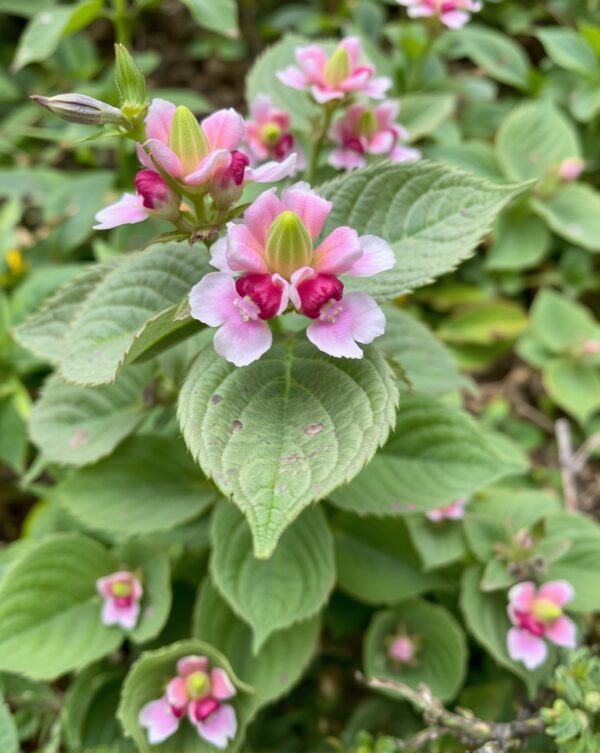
x: 367, y: 124
x: 130, y: 82
x: 338, y: 67
x: 197, y: 685
x: 270, y: 133
x: 545, y: 610
x: 79, y: 108
x: 187, y: 139
x: 121, y: 589
x: 289, y: 245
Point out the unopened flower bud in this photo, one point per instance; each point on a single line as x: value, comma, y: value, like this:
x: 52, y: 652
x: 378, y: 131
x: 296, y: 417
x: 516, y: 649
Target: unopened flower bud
x: 79, y: 108
x: 545, y: 610
x: 367, y: 124
x: 591, y: 347
x: 570, y: 169
x: 289, y: 245
x: 338, y: 67
x: 130, y: 82
x: 187, y: 139
x: 402, y: 650
x: 158, y: 197
x: 227, y: 185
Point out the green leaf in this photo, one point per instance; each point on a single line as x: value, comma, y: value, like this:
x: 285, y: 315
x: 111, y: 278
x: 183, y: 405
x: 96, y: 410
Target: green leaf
x: 484, y: 324
x: 13, y: 430
x: 286, y: 430
x: 291, y: 586
x: 574, y: 386
x: 50, y: 611
x: 441, y: 654
x: 146, y: 682
x: 584, y: 102
x: 432, y: 215
x: 438, y: 544
x: 486, y: 618
x: 569, y: 50
x: 9, y: 738
x: 45, y: 30
x: 534, y: 139
x: 560, y: 324
x: 110, y: 319
x: 279, y: 664
x: 428, y: 365
x: 499, y: 56
x: 421, y: 114
x: 376, y: 561
x: 79, y: 425
x: 580, y: 565
x: 520, y: 241
x: 476, y: 157
x: 436, y: 455
x: 573, y: 212
x: 44, y: 331
x: 220, y: 17
x: 149, y: 485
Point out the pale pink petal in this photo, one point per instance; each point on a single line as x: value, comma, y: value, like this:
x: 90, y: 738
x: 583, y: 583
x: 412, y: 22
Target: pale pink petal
x: 382, y: 142
x: 211, y: 299
x: 560, y: 592
x: 165, y: 158
x: 104, y: 585
x: 378, y: 87
x: 221, y: 686
x: 176, y: 692
x: 220, y: 727
x: 187, y: 665
x: 224, y: 129
x: 323, y: 95
x: 261, y: 108
x: 419, y: 11
x: 244, y: 253
x: 310, y: 208
x: 386, y: 113
x: 435, y: 516
x: 218, y: 255
x: 111, y: 613
x: 521, y: 595
x: 127, y: 211
x: 562, y: 632
x: 159, y: 720
x: 242, y: 342
x: 144, y: 157
x: 312, y: 60
x: 137, y: 590
x: 358, y: 80
x: 356, y: 318
x: 353, y: 48
x: 346, y: 159
x: 159, y: 120
x: 273, y: 171
x: 214, y: 162
x: 338, y: 252
x: 454, y: 19
x: 128, y: 616
x: 377, y: 256
x: 525, y: 647
x: 404, y: 154
x: 261, y: 214
x: 292, y: 77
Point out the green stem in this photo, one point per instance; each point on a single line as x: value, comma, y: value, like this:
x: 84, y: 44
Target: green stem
x: 319, y: 143
x: 121, y: 22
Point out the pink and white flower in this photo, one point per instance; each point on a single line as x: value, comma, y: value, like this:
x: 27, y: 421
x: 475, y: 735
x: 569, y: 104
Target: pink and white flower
x: 454, y: 511
x: 198, y: 692
x: 204, y: 157
x: 363, y: 130
x: 452, y: 13
x: 268, y: 134
x: 275, y: 261
x: 334, y: 77
x: 537, y: 616
x: 153, y: 198
x: 122, y: 593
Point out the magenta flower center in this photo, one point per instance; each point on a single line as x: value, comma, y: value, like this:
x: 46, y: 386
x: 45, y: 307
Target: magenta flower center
x: 237, y: 168
x: 527, y: 621
x: 317, y: 291
x: 262, y: 292
x: 284, y: 146
x: 152, y: 188
x: 354, y: 144
x: 202, y: 708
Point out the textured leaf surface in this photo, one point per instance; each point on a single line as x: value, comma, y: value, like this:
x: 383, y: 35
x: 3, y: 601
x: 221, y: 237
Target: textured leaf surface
x: 286, y: 430
x: 79, y: 425
x: 433, y: 216
x: 108, y: 323
x: 438, y: 543
x: 49, y: 590
x: 437, y: 454
x: 441, y: 654
x: 573, y: 212
x: 272, y: 594
x: 149, y: 485
x: 276, y: 667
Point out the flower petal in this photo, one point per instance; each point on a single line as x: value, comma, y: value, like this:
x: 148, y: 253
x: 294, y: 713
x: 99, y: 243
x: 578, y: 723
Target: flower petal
x: 192, y: 663
x: 176, y: 692
x: 338, y: 252
x: 312, y: 60
x: 563, y: 632
x: 244, y: 253
x: 293, y: 77
x: 324, y: 94
x: 211, y: 299
x: 127, y: 211
x: 128, y: 616
x: 560, y: 592
x: 377, y: 256
x: 272, y: 171
x: 159, y: 120
x: 218, y: 255
x: 377, y: 88
x: 218, y: 160
x: 221, y: 686
x: 352, y: 46
x: 261, y: 214
x: 220, y: 727
x: 455, y: 19
x: 527, y: 648
x: 312, y: 209
x: 521, y: 595
x: 224, y: 129
x: 346, y: 159
x: 164, y: 158
x: 159, y: 720
x: 242, y: 342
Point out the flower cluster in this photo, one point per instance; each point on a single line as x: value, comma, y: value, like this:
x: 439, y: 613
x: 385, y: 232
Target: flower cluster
x: 269, y: 261
x: 198, y: 692
x: 269, y: 135
x: 122, y: 593
x: 452, y: 13
x: 537, y: 615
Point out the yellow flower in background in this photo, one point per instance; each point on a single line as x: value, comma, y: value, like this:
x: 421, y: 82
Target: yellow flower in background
x: 15, y: 262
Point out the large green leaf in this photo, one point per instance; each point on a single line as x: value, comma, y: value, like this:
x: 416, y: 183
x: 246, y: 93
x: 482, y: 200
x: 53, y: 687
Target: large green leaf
x: 569, y: 50
x: 421, y: 114
x: 50, y: 611
x: 521, y: 240
x: 574, y: 386
x: 146, y: 682
x: 573, y: 212
x: 79, y: 425
x: 108, y: 324
x: 499, y: 56
x: 534, y: 139
x: 433, y: 216
x: 441, y: 651
x: 220, y: 16
x: 377, y: 563
x: 286, y: 430
x: 149, y: 485
x: 438, y: 543
x: 437, y: 454
x: 560, y: 324
x: 276, y: 667
x: 273, y: 594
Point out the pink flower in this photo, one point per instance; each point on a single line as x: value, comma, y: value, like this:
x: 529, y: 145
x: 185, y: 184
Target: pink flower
x: 198, y: 692
x: 122, y: 593
x: 268, y: 133
x: 363, y: 131
x: 336, y: 76
x: 453, y: 13
x: 570, y: 169
x: 538, y: 615
x: 453, y: 511
x: 204, y: 157
x: 153, y: 198
x: 591, y: 347
x: 272, y: 254
x: 402, y: 650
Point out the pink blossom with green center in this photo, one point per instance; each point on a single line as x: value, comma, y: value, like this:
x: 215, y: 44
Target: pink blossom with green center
x: 454, y: 511
x: 537, y: 616
x: 363, y: 131
x: 122, y: 593
x: 452, y: 13
x: 272, y: 259
x: 268, y: 134
x: 335, y: 76
x: 197, y: 693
